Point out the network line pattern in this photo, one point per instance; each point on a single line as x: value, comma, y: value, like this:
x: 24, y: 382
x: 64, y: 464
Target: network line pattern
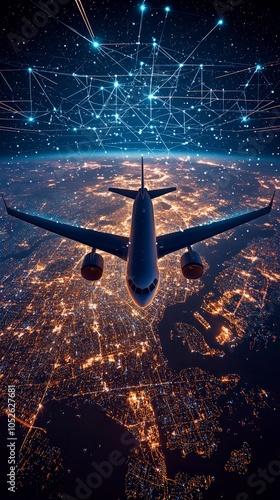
x: 140, y: 95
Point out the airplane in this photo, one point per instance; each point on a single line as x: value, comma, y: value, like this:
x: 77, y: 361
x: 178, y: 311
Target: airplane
x: 142, y: 249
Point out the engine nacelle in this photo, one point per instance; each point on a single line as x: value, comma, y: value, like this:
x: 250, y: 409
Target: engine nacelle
x: 92, y: 268
x: 191, y: 265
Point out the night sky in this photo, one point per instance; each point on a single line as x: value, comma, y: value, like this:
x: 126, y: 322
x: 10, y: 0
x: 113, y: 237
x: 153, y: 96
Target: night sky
x: 198, y: 77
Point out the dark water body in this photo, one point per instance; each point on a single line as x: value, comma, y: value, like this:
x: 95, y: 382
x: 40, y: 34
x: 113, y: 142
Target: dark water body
x: 261, y: 368
x: 180, y: 358
x: 85, y: 435
x: 265, y: 446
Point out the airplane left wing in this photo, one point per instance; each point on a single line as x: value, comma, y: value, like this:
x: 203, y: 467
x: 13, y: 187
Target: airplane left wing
x: 172, y: 242
x: 110, y: 243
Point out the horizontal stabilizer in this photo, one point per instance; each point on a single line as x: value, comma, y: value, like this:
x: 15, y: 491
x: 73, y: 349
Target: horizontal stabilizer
x: 128, y: 193
x: 154, y: 193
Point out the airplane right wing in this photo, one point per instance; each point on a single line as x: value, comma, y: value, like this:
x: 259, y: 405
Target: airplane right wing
x: 110, y: 243
x: 172, y: 242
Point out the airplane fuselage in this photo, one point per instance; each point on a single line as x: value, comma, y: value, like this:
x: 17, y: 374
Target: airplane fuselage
x: 142, y: 270
x: 142, y: 249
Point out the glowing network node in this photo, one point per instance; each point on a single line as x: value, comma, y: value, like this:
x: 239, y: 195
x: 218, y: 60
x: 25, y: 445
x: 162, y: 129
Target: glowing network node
x: 167, y: 9
x: 116, y: 84
x: 141, y: 63
x: 30, y: 70
x: 220, y: 22
x: 181, y: 65
x: 142, y: 7
x: 95, y: 44
x: 30, y: 119
x: 258, y: 67
x: 201, y: 66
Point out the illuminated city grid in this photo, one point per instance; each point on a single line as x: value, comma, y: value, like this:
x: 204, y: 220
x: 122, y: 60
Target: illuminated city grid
x: 239, y: 460
x: 72, y: 341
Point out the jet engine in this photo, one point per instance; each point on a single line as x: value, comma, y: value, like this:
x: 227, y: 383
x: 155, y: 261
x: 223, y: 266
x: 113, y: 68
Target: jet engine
x: 191, y: 265
x: 92, y: 268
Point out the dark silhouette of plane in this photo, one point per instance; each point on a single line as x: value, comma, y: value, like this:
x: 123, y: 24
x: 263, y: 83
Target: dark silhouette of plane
x: 143, y: 248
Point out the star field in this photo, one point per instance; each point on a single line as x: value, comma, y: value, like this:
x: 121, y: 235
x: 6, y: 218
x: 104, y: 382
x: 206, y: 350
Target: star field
x: 81, y: 77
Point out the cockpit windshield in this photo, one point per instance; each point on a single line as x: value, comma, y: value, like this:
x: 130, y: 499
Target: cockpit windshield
x: 143, y: 291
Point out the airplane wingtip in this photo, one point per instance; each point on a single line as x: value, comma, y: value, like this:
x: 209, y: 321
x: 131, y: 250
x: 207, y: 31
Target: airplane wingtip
x: 272, y: 199
x: 6, y: 206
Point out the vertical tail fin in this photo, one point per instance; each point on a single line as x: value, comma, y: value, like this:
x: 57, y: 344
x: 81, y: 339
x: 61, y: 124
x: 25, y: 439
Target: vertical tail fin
x: 130, y: 193
x: 142, y: 175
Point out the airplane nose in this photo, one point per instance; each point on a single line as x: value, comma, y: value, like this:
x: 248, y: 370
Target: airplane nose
x: 142, y: 295
x: 143, y: 300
